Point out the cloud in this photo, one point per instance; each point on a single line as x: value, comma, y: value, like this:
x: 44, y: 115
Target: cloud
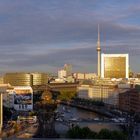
x: 46, y: 34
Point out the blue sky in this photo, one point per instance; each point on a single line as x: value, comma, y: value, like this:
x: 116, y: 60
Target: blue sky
x: 43, y: 35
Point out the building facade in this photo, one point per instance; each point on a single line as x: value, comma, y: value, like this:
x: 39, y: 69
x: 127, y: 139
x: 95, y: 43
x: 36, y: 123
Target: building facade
x: 18, y: 79
x: 130, y: 101
x: 84, y: 76
x: 39, y: 78
x: 23, y: 98
x: 100, y: 92
x: 68, y: 69
x: 114, y: 66
x: 62, y: 74
x: 25, y: 79
x: 3, y: 90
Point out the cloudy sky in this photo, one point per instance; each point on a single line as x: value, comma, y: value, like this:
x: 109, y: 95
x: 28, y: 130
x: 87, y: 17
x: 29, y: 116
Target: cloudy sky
x: 43, y: 35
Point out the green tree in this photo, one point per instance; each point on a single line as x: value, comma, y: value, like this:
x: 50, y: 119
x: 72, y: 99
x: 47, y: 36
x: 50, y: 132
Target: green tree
x: 104, y: 134
x: 118, y: 135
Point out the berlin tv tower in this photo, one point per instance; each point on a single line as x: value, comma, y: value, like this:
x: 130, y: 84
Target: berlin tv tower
x: 99, y: 54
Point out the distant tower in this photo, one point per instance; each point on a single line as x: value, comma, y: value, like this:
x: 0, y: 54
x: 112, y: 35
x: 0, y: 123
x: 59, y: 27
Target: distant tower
x: 99, y: 54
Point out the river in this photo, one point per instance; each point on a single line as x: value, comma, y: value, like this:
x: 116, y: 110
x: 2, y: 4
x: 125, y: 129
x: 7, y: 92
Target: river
x: 81, y: 114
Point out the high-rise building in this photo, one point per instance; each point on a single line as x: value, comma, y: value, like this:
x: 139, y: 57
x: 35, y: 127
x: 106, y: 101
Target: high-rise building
x: 62, y: 74
x: 114, y: 66
x: 68, y: 69
x: 99, y: 54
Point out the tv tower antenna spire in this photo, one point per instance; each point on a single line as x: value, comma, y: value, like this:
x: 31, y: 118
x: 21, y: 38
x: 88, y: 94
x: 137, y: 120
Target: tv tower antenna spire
x: 99, y: 53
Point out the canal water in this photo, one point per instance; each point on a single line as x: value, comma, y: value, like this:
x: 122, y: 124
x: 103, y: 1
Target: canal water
x: 76, y: 113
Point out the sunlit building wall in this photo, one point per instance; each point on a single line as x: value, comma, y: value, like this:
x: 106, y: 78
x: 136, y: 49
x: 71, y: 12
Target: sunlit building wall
x: 3, y: 90
x: 68, y: 69
x: 1, y: 80
x: 8, y: 97
x: 62, y: 74
x: 39, y: 78
x: 105, y: 93
x: 25, y: 79
x: 23, y: 98
x: 18, y: 79
x: 114, y: 66
x: 84, y: 76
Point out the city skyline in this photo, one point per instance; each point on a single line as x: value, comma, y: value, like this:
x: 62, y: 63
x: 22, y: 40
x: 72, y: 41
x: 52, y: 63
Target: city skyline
x: 44, y: 35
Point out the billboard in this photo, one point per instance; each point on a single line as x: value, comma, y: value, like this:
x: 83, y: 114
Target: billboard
x: 25, y: 98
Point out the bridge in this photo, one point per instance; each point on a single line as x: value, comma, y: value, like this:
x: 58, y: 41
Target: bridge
x: 69, y: 123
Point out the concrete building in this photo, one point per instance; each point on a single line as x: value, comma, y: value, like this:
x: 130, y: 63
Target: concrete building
x: 103, y: 90
x: 68, y: 69
x: 84, y: 76
x: 3, y: 90
x: 114, y: 66
x: 62, y: 74
x: 8, y: 97
x: 108, y: 93
x: 130, y: 101
x: 23, y: 98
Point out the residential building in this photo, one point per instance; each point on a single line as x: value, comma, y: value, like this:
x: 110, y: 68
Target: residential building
x: 130, y: 100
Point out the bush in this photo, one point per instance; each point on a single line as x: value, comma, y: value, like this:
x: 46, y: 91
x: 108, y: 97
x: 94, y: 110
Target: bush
x: 86, y: 133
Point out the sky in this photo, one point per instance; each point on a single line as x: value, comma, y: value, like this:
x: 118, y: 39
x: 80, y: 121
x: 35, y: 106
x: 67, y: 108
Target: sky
x: 43, y: 35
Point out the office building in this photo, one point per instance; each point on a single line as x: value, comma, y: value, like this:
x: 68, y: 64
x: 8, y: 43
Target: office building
x: 130, y: 101
x: 62, y: 74
x: 23, y: 98
x: 84, y: 76
x: 107, y: 93
x: 39, y: 78
x: 68, y: 69
x: 25, y: 79
x: 114, y: 66
x: 18, y: 79
x: 8, y: 97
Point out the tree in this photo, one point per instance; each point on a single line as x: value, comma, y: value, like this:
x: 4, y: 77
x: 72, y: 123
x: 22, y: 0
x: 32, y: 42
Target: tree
x: 74, y: 132
x: 104, y: 134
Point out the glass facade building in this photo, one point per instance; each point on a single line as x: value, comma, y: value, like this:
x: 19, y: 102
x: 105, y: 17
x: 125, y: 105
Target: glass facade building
x: 39, y: 78
x: 25, y: 79
x: 18, y: 79
x: 114, y: 66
